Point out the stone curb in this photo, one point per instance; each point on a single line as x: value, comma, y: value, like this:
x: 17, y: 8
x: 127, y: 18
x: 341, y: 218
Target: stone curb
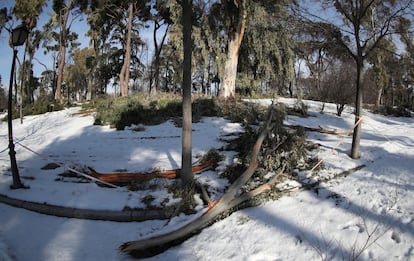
x: 127, y: 215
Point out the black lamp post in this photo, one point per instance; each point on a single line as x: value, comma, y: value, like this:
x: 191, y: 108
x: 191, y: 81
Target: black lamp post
x: 18, y: 37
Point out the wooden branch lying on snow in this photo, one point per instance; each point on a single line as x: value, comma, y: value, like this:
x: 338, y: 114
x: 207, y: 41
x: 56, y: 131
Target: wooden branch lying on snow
x: 124, y: 177
x: 155, y: 245
x: 322, y: 130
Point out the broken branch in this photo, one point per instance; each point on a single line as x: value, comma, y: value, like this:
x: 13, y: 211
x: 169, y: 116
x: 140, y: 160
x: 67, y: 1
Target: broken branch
x: 154, y: 245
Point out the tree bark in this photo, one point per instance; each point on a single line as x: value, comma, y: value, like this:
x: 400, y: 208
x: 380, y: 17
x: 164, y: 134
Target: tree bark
x: 187, y: 175
x: 124, y: 74
x: 157, y: 53
x: 356, y: 137
x: 230, y: 71
x: 62, y: 52
x: 228, y: 88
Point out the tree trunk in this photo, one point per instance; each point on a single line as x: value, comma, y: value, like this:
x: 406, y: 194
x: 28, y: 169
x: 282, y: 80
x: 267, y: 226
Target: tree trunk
x: 62, y: 52
x: 124, y: 74
x: 228, y: 88
x: 378, y: 100
x: 61, y: 66
x: 187, y: 175
x: 157, y: 53
x: 358, y: 111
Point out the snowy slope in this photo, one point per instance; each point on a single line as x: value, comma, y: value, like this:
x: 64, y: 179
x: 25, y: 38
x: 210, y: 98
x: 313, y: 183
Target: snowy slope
x: 373, y: 206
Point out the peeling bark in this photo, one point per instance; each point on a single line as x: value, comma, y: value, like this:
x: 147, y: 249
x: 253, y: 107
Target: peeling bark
x: 228, y: 88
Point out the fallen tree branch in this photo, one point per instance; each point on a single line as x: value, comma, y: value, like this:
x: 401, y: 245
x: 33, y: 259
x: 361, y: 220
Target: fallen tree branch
x: 125, y: 177
x: 322, y: 130
x: 155, y: 245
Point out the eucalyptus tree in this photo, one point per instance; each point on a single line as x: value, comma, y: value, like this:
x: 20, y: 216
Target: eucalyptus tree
x: 161, y: 17
x: 266, y: 56
x: 116, y: 23
x: 233, y: 20
x: 380, y: 59
x: 58, y: 30
x: 359, y: 37
x: 78, y: 76
x: 187, y: 176
x: 407, y: 37
x: 28, y: 12
x: 47, y: 83
x: 230, y: 19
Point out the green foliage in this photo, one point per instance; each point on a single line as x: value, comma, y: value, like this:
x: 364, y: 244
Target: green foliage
x: 397, y: 111
x: 186, y: 194
x: 299, y: 109
x: 282, y: 147
x: 137, y: 109
x: 152, y: 110
x: 42, y: 105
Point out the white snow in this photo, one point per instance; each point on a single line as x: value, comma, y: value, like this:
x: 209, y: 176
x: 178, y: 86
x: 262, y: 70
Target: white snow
x: 372, y: 206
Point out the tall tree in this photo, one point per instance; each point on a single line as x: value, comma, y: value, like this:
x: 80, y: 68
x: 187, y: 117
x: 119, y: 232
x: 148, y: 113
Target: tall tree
x: 112, y: 23
x: 407, y: 37
x: 66, y: 11
x: 266, y: 54
x: 359, y: 38
x: 162, y: 21
x: 381, y: 58
x: 236, y: 12
x: 78, y: 74
x: 29, y: 12
x: 187, y: 175
x: 125, y: 70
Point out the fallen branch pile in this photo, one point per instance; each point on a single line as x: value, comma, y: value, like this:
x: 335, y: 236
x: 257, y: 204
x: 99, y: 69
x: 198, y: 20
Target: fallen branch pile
x: 230, y: 199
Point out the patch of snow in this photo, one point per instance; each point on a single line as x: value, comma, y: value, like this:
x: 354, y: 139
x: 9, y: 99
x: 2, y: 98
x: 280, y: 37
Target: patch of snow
x: 372, y: 205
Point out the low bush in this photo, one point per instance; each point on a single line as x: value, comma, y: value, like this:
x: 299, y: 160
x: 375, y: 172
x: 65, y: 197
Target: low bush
x: 399, y: 111
x: 152, y: 110
x: 42, y: 105
x: 136, y: 109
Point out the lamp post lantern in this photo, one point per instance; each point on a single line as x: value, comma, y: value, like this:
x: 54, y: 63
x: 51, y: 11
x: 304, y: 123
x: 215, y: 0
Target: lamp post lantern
x: 17, y: 38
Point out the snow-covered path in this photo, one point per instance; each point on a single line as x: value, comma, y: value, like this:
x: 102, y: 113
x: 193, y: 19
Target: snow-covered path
x: 374, y: 205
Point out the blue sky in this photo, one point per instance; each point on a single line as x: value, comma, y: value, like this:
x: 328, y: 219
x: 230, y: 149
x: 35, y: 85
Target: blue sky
x: 6, y: 52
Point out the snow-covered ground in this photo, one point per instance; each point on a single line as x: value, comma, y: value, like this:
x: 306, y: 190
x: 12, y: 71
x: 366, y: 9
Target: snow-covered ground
x: 370, y: 212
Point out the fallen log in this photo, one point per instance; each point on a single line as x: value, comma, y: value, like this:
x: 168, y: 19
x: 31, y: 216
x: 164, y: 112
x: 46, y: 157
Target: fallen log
x: 124, y: 177
x: 155, y: 245
x: 322, y: 130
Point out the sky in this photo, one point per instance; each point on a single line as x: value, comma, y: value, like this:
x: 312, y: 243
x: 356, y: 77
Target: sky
x: 374, y: 204
x: 6, y: 51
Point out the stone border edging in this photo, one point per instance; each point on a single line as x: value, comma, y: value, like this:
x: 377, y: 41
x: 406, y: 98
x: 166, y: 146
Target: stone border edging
x: 127, y: 215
